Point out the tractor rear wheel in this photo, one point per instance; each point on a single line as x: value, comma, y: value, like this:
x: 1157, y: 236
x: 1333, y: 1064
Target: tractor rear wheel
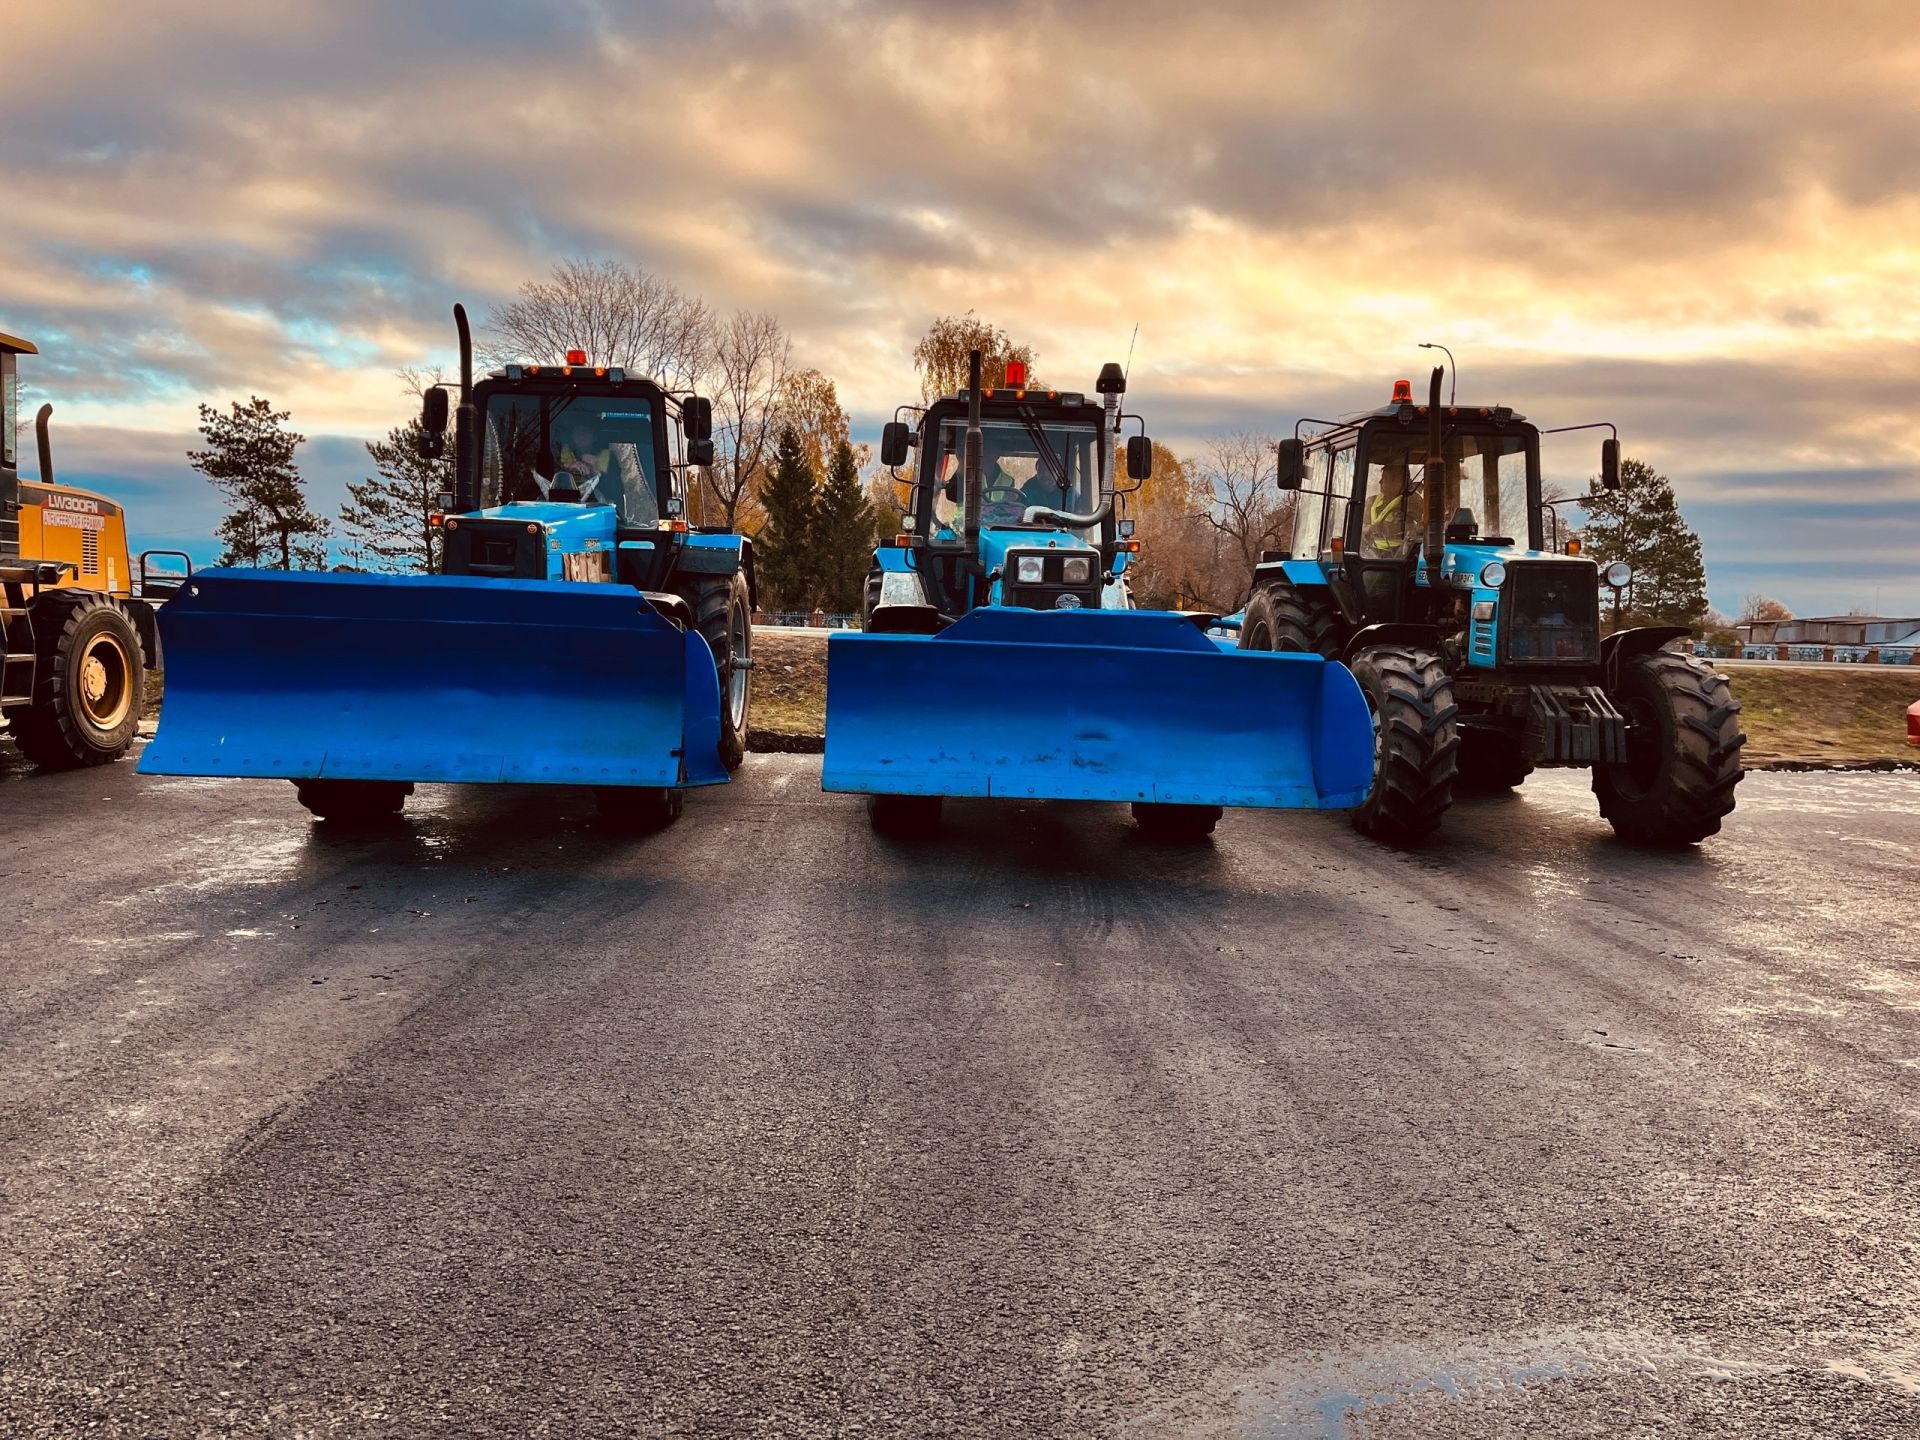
x: 638, y: 809
x: 1175, y: 824
x: 1683, y: 751
x: 904, y: 817
x: 1285, y: 616
x: 1491, y: 760
x: 354, y: 802
x: 89, y: 682
x: 724, y: 617
x: 1416, y: 742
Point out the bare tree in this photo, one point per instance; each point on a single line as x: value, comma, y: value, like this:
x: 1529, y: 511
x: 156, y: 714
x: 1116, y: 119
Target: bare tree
x: 941, y: 355
x: 1763, y: 607
x: 616, y: 312
x: 1245, y: 508
x: 750, y: 359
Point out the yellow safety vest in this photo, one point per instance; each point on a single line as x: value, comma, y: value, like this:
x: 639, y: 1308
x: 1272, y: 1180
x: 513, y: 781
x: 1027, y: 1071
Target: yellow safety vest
x: 1382, y: 510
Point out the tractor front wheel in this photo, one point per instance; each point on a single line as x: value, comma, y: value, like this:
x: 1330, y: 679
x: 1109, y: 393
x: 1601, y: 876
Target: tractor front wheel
x: 1416, y: 742
x: 904, y: 817
x: 638, y: 809
x: 1491, y: 760
x: 1683, y: 752
x: 354, y: 802
x: 89, y: 682
x: 1175, y: 824
x: 724, y: 617
x: 1284, y: 616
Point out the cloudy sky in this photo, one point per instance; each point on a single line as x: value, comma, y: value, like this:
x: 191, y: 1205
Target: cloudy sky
x: 1698, y: 220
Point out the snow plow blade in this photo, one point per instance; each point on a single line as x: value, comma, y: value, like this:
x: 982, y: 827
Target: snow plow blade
x: 291, y: 675
x: 1135, y: 705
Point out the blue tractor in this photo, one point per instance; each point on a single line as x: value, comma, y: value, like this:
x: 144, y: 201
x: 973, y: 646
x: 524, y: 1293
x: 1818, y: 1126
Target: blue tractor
x: 579, y: 631
x: 1001, y: 654
x: 1420, y: 558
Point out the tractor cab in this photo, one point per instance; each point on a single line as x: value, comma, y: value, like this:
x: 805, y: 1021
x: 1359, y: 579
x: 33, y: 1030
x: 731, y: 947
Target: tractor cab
x: 1380, y: 492
x: 571, y: 472
x: 1013, y: 501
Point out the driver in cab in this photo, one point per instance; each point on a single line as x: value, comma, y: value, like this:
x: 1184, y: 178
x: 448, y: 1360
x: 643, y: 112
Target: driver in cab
x: 1008, y: 497
x: 583, y: 460
x: 1390, y: 511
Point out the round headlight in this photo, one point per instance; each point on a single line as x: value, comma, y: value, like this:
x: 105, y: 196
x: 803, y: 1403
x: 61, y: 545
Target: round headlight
x: 1031, y: 569
x: 1493, y: 574
x: 1618, y: 574
x: 1076, y: 569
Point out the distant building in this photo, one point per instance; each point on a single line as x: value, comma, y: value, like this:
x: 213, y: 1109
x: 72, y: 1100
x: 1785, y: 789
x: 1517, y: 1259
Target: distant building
x: 1832, y: 630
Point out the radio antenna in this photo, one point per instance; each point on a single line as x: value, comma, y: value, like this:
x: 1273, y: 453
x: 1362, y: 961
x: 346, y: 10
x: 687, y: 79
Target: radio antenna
x: 1128, y: 371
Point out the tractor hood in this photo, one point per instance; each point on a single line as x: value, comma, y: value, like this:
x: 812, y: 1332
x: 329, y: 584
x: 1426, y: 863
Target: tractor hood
x: 1050, y: 582
x: 534, y: 540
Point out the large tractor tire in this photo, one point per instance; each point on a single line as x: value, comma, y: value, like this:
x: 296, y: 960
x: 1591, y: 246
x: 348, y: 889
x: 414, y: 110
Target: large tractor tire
x: 1175, y: 824
x: 1490, y: 760
x: 1416, y: 742
x: 1683, y: 752
x: 1283, y: 616
x: 354, y: 802
x: 724, y: 617
x: 904, y: 817
x: 869, y: 597
x: 89, y: 682
x: 638, y: 809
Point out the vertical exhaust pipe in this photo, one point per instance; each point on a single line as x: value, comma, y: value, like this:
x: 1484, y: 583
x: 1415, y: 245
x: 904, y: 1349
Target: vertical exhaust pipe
x: 466, y: 464
x: 974, y: 459
x: 45, y: 442
x: 1436, y: 482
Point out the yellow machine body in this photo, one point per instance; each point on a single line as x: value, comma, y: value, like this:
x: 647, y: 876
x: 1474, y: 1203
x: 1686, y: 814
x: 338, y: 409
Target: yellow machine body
x: 80, y: 529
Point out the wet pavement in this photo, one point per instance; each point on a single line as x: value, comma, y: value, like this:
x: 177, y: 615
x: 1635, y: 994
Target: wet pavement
x: 494, y: 1125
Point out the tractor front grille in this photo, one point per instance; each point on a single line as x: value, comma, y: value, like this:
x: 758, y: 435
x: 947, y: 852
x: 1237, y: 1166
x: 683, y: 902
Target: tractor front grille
x: 1550, y: 613
x: 1053, y: 591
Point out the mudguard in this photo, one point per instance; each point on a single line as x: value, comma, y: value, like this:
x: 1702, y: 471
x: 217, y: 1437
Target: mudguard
x: 295, y: 675
x: 1092, y: 705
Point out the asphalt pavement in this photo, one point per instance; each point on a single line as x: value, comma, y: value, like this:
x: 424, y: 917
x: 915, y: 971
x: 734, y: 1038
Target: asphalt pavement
x: 493, y: 1124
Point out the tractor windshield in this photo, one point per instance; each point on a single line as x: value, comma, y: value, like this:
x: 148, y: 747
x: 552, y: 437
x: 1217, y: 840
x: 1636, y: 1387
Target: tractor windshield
x: 1024, y: 462
x: 591, y: 449
x: 1486, y: 475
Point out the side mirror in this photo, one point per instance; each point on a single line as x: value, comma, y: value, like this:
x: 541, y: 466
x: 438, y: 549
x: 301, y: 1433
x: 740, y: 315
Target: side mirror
x: 700, y: 452
x: 1610, y: 464
x: 1139, y: 458
x: 895, y: 439
x: 696, y: 419
x: 433, y: 422
x: 1293, y: 464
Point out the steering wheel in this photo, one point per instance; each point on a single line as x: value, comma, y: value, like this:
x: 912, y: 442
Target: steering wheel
x: 1005, y: 507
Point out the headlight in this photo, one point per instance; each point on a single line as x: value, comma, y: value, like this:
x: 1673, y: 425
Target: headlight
x: 1618, y: 574
x: 1030, y: 569
x: 1493, y: 574
x: 1077, y: 570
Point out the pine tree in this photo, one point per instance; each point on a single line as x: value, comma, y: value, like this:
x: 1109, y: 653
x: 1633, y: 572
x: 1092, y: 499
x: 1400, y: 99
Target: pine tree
x: 386, y: 517
x: 843, y: 534
x: 1641, y: 524
x: 249, y: 459
x: 788, y: 571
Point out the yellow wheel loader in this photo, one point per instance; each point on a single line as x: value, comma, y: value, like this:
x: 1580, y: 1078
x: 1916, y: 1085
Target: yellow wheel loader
x: 77, y: 629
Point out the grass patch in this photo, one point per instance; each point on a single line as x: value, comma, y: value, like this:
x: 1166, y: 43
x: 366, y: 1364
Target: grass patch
x: 789, y: 687
x: 1838, y: 717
